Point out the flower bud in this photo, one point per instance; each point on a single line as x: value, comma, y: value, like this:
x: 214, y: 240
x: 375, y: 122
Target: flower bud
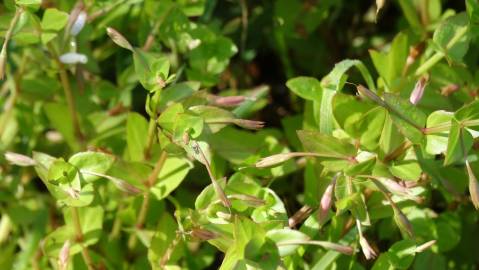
x: 370, y: 94
x: 19, y: 159
x: 73, y: 58
x: 449, y: 89
x: 299, y: 216
x: 64, y: 255
x: 368, y: 251
x: 118, y: 39
x: 418, y: 91
x: 79, y: 23
x: 125, y: 186
x: 473, y: 186
x: 425, y: 246
x: 230, y: 101
x: 248, y: 124
x: 326, y: 202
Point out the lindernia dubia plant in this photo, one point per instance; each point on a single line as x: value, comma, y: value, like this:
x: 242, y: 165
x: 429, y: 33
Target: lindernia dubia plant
x: 154, y: 135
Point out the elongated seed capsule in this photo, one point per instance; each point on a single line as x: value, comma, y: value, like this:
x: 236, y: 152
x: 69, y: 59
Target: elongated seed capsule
x: 371, y: 95
x: 473, y: 186
x: 118, y: 38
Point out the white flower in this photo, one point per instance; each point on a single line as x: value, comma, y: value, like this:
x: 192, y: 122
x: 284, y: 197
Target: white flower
x: 79, y: 23
x: 73, y: 58
x: 194, y: 43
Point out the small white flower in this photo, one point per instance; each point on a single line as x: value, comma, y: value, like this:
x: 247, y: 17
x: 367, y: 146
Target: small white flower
x: 79, y: 23
x: 194, y: 43
x: 73, y: 58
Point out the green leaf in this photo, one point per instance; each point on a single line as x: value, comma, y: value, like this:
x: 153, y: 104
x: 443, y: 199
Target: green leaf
x: 437, y: 142
x: 459, y: 143
x: 406, y: 170
x: 172, y: 174
x: 60, y: 119
x: 325, y: 145
x: 401, y: 254
x: 136, y: 136
x: 306, y: 87
x: 54, y: 20
x: 390, y: 65
x: 451, y: 29
x: 95, y: 162
x: 214, y: 118
x: 407, y: 118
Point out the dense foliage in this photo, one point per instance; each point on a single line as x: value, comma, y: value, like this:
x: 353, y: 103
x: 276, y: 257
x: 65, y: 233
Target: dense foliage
x: 206, y: 134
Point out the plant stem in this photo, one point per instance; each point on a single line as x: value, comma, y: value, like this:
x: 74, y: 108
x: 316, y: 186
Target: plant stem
x: 146, y: 197
x: 8, y: 35
x: 150, y: 137
x: 398, y: 151
x: 68, y: 95
x: 79, y: 239
x: 439, y: 55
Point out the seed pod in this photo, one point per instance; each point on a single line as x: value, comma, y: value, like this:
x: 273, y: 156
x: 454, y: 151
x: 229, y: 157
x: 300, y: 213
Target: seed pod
x: 425, y: 246
x: 418, y: 91
x: 19, y: 159
x: 274, y: 160
x: 248, y: 199
x: 119, y: 39
x: 299, y: 216
x: 402, y: 222
x: 473, y: 186
x: 230, y: 101
x: 248, y: 124
x: 75, y: 194
x: 370, y: 94
x: 73, y: 58
x: 337, y: 247
x: 203, y: 234
x: 79, y: 23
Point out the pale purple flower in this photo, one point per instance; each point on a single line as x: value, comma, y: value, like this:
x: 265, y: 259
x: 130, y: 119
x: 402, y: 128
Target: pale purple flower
x: 19, y: 159
x: 368, y: 251
x: 79, y: 23
x: 418, y: 91
x: 73, y: 58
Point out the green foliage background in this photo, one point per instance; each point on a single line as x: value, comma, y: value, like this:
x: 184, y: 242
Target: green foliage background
x: 210, y: 134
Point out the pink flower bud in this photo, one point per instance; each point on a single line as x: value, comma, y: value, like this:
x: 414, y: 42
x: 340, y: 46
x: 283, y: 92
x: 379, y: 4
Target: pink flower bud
x: 473, y: 186
x: 394, y: 186
x: 19, y: 160
x: 64, y: 255
x: 326, y: 201
x: 418, y: 91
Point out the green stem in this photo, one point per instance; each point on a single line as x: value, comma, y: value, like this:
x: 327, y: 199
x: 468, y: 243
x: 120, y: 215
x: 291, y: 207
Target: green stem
x: 146, y: 197
x: 150, y: 137
x: 8, y: 36
x: 68, y: 95
x: 438, y: 56
x: 79, y: 239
